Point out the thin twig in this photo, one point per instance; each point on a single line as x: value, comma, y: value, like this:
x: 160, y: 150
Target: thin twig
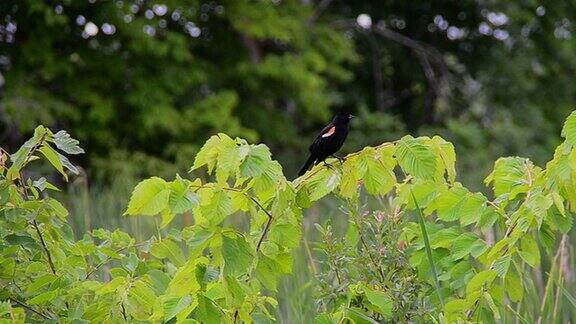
x: 16, y: 301
x: 270, y: 217
x: 108, y: 259
x: 48, y: 255
x: 380, y: 272
x: 265, y: 232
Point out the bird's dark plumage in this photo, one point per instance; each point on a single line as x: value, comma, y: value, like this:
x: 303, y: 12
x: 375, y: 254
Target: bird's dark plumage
x: 329, y: 141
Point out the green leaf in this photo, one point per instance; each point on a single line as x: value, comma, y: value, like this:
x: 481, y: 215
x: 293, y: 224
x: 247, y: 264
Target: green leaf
x: 149, y: 197
x: 170, y: 250
x: 466, y: 244
x: 143, y: 295
x: 158, y: 280
x: 181, y: 198
x: 267, y: 272
x: 58, y: 209
x: 529, y: 250
x: 41, y: 282
x: 378, y: 178
x: 458, y: 203
x: 287, y: 235
x: 66, y: 143
x: 174, y: 305
x: 492, y: 305
x: 234, y: 291
x: 186, y: 280
x: 322, y: 183
x: 416, y: 157
x: 479, y: 280
x: 447, y: 157
x: 569, y: 129
x: 511, y: 176
x: 238, y: 255
x: 502, y: 264
x: 256, y: 162
x: 208, y: 154
x: 381, y: 300
x: 215, y: 206
x: 52, y: 156
x: 44, y: 297
x: 427, y: 246
x: 23, y: 155
x: 66, y: 163
x: 514, y: 287
x: 349, y: 183
x: 303, y: 197
x: 456, y: 306
x: 206, y: 311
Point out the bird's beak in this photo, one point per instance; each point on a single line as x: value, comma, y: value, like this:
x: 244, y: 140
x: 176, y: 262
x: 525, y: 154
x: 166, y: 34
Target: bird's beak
x: 351, y: 116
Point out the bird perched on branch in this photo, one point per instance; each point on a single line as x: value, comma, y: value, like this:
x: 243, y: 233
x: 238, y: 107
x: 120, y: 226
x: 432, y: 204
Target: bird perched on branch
x: 329, y: 141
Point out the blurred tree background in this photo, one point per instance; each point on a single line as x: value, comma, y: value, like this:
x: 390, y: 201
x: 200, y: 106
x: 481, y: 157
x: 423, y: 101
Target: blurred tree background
x: 143, y: 84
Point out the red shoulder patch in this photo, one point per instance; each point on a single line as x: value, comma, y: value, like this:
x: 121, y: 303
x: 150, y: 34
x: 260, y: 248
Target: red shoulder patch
x: 330, y: 132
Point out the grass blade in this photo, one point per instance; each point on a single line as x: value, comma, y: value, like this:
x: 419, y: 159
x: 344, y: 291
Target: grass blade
x: 428, y: 249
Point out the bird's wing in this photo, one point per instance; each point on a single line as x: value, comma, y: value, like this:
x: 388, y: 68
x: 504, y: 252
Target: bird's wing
x: 324, y: 134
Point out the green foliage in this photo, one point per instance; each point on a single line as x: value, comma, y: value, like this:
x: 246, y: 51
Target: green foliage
x: 419, y: 255
x: 274, y: 72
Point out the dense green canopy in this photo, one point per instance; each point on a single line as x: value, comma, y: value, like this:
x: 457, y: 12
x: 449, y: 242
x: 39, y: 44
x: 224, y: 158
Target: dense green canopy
x: 149, y: 81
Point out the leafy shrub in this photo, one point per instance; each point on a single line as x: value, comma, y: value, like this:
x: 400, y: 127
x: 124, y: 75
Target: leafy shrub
x: 247, y: 224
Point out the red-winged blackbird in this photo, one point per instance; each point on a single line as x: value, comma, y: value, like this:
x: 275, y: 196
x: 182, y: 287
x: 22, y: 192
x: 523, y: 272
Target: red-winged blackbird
x: 329, y: 141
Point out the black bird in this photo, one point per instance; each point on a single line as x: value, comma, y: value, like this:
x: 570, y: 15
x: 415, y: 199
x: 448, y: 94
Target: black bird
x: 329, y: 141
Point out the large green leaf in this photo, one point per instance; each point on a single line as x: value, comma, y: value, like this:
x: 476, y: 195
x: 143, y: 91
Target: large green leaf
x: 379, y: 177
x: 44, y: 297
x: 514, y: 286
x: 23, y: 155
x: 323, y: 182
x: 467, y: 244
x: 569, y: 129
x: 170, y: 250
x: 381, y: 300
x: 150, y: 197
x: 52, y: 157
x: 416, y: 157
x: 446, y: 156
x: 529, y: 250
x: 511, y: 176
x: 238, y: 255
x: 287, y: 235
x: 458, y: 203
x: 187, y: 279
x: 66, y: 143
x: 216, y: 205
x: 41, y: 282
x: 174, y: 305
x: 207, y: 311
x: 141, y: 297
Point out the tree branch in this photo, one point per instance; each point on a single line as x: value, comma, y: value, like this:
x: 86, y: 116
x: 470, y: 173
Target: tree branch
x: 48, y: 255
x: 19, y: 303
x: 270, y: 217
x: 252, y: 46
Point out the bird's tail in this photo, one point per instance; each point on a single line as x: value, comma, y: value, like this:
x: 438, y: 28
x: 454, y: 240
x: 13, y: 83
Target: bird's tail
x: 307, y: 165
